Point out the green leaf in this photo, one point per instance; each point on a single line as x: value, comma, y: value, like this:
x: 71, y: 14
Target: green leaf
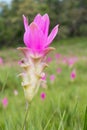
x: 85, y: 120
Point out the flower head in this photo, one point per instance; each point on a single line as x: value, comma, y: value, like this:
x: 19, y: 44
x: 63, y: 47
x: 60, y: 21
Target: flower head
x: 49, y: 59
x: 37, y: 41
x: 36, y: 36
x: 57, y: 56
x: 1, y: 61
x: 52, y: 78
x: 43, y: 95
x: 72, y: 61
x: 73, y: 74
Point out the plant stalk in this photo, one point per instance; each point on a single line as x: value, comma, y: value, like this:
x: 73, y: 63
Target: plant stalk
x: 25, y: 118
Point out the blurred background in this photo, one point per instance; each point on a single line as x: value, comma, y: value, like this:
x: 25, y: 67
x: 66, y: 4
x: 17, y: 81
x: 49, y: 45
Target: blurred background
x: 70, y: 14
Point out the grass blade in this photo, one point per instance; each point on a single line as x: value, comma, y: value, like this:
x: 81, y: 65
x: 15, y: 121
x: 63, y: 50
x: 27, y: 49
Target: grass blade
x: 85, y: 120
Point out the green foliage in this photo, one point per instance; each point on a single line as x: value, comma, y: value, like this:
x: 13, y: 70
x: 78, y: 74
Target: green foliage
x: 85, y: 120
x: 65, y: 103
x: 11, y: 22
x: 83, y: 29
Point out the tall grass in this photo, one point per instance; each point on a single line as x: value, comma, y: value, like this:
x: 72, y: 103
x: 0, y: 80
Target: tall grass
x: 65, y: 102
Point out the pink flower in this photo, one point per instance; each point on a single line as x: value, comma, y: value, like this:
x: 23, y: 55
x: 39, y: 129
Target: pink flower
x: 1, y: 61
x: 72, y: 61
x: 73, y: 74
x: 57, y: 56
x: 59, y: 70
x: 36, y: 36
x: 37, y: 41
x: 52, y: 78
x: 43, y: 95
x: 49, y: 59
x: 5, y: 102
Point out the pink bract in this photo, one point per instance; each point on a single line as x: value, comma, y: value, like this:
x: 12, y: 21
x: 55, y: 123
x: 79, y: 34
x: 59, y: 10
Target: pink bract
x: 36, y: 36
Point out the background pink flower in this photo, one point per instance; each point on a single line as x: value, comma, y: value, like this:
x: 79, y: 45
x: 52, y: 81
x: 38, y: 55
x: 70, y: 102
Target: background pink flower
x: 49, y: 59
x: 43, y: 95
x: 57, y: 55
x: 72, y: 61
x: 52, y: 78
x: 73, y: 74
x: 5, y: 102
x: 1, y: 61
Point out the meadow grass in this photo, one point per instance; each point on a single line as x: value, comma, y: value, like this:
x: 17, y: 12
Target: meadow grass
x: 66, y: 100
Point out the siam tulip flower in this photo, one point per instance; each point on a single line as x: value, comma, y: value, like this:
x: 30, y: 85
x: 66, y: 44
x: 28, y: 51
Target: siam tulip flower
x: 5, y: 102
x: 72, y: 61
x: 36, y: 36
x: 49, y: 59
x: 57, y: 56
x: 52, y: 78
x: 73, y: 75
x: 43, y: 95
x: 37, y: 40
x: 1, y: 61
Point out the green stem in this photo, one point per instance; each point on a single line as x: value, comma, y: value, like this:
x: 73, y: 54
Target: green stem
x: 26, y: 114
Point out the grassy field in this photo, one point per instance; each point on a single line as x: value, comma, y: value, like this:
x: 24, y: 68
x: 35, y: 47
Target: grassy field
x: 66, y: 99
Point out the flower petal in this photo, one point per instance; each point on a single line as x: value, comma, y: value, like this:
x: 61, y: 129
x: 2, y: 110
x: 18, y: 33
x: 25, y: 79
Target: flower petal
x: 43, y: 23
x: 37, y: 19
x: 26, y: 37
x: 52, y: 35
x: 25, y: 20
x: 46, y: 24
